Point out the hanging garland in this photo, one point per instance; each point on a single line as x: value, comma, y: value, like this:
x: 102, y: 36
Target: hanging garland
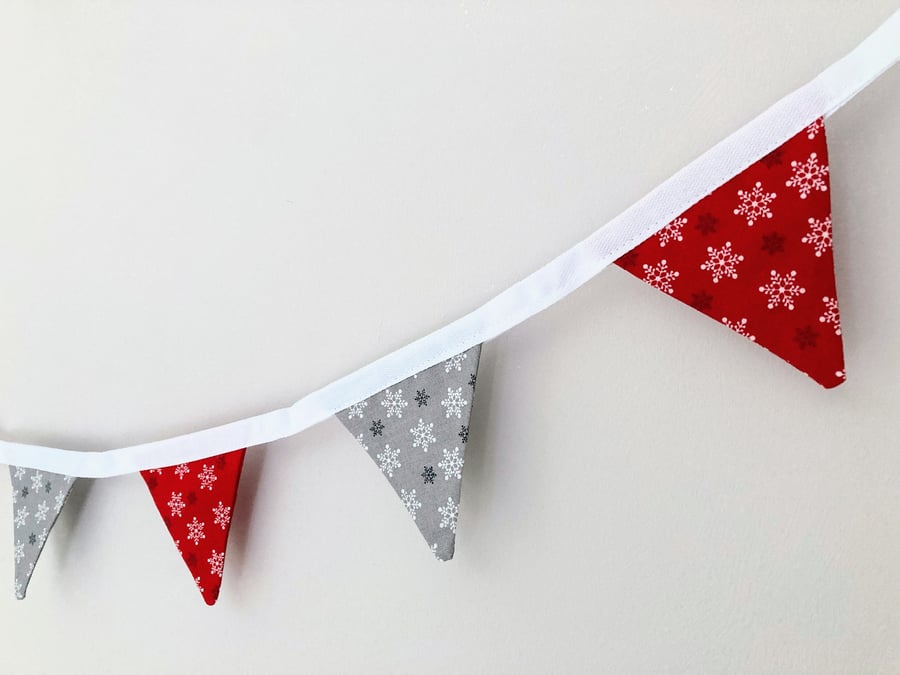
x: 742, y: 234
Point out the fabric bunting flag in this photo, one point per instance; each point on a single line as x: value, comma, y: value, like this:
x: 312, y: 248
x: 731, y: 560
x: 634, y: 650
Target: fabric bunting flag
x: 416, y: 431
x: 196, y: 502
x: 38, y: 498
x: 755, y: 255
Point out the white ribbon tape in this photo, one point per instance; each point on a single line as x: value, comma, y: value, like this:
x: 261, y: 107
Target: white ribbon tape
x: 548, y: 285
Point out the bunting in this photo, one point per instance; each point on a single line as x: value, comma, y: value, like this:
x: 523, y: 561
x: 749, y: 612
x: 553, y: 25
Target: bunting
x: 416, y: 432
x: 196, y: 502
x: 751, y: 248
x: 37, y: 497
x: 756, y: 257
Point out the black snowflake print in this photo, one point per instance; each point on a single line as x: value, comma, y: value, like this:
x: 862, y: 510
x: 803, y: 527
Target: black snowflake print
x: 772, y: 159
x: 24, y: 492
x: 706, y: 223
x: 376, y: 428
x: 47, y: 487
x: 422, y: 397
x: 32, y: 539
x: 464, y: 433
x: 806, y: 337
x: 472, y: 380
x: 628, y: 260
x: 701, y: 301
x: 773, y: 243
x: 428, y: 474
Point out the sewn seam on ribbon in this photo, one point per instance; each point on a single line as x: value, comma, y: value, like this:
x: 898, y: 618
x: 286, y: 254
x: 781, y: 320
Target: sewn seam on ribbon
x: 548, y: 285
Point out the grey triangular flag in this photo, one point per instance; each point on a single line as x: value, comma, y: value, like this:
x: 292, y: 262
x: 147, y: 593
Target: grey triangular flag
x: 38, y: 497
x: 416, y: 431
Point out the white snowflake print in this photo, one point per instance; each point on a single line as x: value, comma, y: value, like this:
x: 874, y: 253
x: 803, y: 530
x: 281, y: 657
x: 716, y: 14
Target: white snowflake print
x: 660, y: 276
x: 841, y: 374
x: 819, y: 235
x: 389, y: 460
x: 454, y: 363
x: 42, y: 537
x: 37, y: 481
x: 434, y: 552
x: 41, y: 513
x: 59, y: 500
x: 181, y: 470
x: 831, y: 314
x: 452, y: 464
x: 393, y: 403
x: 356, y: 410
x: 454, y: 403
x: 199, y: 585
x: 410, y: 502
x: 176, y: 505
x: 20, y: 472
x: 422, y: 436
x: 813, y: 129
x: 207, y: 477
x: 739, y: 327
x: 721, y: 262
x: 362, y: 441
x: 222, y: 515
x: 216, y: 563
x: 19, y: 551
x: 671, y: 232
x: 195, y: 531
x: 21, y: 515
x: 808, y: 177
x: 782, y: 289
x: 449, y: 515
x: 156, y: 471
x: 754, y: 204
x: 19, y: 589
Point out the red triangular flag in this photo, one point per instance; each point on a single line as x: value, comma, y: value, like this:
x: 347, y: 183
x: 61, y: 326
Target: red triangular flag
x: 196, y: 501
x: 755, y: 255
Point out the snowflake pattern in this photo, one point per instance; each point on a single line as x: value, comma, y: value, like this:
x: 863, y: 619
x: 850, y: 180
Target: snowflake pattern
x: 454, y: 403
x: 376, y: 428
x: 59, y: 500
x: 739, y: 327
x: 41, y: 514
x: 176, y: 505
x: 222, y: 515
x: 754, y: 204
x: 207, y: 477
x: 37, y: 481
x: 428, y: 474
x: 463, y: 433
x: 410, y: 502
x: 721, y: 263
x: 422, y: 435
x: 449, y: 515
x: 831, y: 315
x: 660, y: 276
x: 362, y: 442
x: 454, y: 363
x: 216, y: 564
x: 393, y: 403
x: 452, y: 464
x: 181, y: 470
x: 782, y: 289
x: 819, y: 235
x: 813, y: 129
x: 195, y: 531
x: 19, y: 473
x: 356, y: 410
x: 21, y: 516
x: 389, y: 460
x: 421, y: 397
x: 671, y: 232
x: 19, y: 551
x: 809, y: 176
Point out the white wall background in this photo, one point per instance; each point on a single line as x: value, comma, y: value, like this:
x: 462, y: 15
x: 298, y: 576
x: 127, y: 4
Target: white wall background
x: 209, y: 209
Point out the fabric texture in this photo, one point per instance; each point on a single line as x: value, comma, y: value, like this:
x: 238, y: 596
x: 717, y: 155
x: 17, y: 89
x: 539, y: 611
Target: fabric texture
x: 756, y: 256
x: 38, y: 497
x: 196, y: 502
x: 416, y: 432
